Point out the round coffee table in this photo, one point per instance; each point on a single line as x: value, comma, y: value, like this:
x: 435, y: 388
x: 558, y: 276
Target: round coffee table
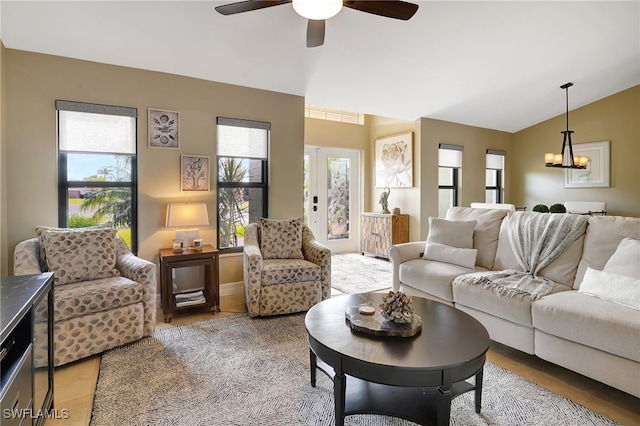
x: 414, y: 378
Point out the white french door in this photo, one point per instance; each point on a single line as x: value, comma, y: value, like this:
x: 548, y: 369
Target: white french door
x: 332, y: 196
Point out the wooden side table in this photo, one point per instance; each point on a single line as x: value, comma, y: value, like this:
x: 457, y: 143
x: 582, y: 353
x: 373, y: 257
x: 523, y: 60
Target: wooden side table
x: 207, y: 257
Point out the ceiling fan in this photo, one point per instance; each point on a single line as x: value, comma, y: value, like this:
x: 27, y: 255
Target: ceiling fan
x: 316, y: 11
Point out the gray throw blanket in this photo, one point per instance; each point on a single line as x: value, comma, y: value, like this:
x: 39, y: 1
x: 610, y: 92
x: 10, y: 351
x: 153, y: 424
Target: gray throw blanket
x: 536, y: 239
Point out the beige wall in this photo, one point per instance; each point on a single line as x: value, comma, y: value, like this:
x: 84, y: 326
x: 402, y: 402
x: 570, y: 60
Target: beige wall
x: 407, y: 199
x: 31, y: 82
x: 34, y: 81
x: 476, y: 141
x: 615, y: 118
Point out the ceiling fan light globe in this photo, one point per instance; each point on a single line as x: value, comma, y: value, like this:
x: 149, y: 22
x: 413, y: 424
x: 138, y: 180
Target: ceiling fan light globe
x: 317, y: 9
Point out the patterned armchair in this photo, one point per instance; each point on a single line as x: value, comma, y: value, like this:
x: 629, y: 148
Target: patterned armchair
x: 285, y: 269
x: 104, y: 296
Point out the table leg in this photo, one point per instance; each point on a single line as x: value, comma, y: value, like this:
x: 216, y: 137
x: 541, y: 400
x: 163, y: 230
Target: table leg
x: 339, y: 395
x: 478, y: 390
x: 313, y: 363
x: 444, y: 407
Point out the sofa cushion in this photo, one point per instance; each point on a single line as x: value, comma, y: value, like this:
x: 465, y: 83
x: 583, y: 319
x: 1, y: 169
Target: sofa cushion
x: 626, y: 259
x: 602, y: 238
x: 515, y: 309
x: 278, y: 271
x: 616, y: 288
x: 451, y: 233
x: 590, y: 321
x: 75, y: 256
x: 486, y: 231
x: 280, y: 239
x: 562, y: 270
x: 78, y: 299
x: 448, y: 254
x: 432, y: 277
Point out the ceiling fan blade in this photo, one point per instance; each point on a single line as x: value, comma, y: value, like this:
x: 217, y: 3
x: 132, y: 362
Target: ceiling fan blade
x: 390, y: 9
x: 315, y: 33
x: 247, y: 6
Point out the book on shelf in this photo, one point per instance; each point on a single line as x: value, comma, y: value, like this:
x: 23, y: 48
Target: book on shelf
x: 191, y: 298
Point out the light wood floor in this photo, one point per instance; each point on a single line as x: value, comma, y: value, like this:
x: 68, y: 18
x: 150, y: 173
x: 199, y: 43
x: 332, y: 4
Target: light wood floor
x: 74, y: 384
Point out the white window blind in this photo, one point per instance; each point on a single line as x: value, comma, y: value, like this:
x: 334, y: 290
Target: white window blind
x: 243, y: 138
x: 495, y: 159
x: 450, y: 155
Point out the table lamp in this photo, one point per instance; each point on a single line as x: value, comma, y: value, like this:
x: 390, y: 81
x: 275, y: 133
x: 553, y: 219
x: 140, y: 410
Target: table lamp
x: 187, y: 215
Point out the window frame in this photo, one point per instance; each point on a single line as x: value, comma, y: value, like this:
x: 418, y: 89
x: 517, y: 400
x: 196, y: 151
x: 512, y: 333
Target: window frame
x: 262, y: 185
x: 455, y: 165
x: 64, y: 184
x: 498, y: 188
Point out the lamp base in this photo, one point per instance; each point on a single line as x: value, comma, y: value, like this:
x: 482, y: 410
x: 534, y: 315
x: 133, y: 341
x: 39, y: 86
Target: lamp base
x: 187, y: 236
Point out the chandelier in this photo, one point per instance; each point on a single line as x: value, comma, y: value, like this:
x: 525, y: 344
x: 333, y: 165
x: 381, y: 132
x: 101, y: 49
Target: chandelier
x: 565, y: 159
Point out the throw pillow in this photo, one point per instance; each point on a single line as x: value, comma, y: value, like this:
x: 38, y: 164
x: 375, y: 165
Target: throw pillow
x: 280, y: 239
x: 447, y: 254
x: 75, y: 256
x: 40, y: 229
x: 454, y: 233
x: 615, y: 288
x: 626, y: 259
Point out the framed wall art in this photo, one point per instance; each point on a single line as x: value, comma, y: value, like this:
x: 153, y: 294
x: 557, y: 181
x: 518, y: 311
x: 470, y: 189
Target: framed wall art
x: 596, y: 175
x: 394, y: 161
x: 164, y: 129
x: 194, y: 173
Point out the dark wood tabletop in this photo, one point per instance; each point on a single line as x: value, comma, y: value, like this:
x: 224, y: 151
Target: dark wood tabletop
x: 450, y: 348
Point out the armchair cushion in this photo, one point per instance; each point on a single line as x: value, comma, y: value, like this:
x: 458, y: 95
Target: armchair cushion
x: 76, y: 256
x: 40, y: 230
x: 278, y: 271
x: 280, y: 239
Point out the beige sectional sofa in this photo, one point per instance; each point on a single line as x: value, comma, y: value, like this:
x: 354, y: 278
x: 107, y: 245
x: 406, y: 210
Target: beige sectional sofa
x: 594, y: 331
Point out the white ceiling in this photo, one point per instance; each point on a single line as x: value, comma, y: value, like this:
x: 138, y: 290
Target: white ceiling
x: 497, y: 65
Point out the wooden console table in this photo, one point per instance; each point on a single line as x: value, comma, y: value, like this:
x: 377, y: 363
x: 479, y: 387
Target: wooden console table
x: 380, y: 231
x: 207, y: 257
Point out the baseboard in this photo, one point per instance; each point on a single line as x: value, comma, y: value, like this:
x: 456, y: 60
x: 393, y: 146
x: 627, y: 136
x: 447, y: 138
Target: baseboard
x: 230, y: 289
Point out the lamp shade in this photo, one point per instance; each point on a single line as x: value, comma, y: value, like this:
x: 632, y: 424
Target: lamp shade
x: 187, y: 214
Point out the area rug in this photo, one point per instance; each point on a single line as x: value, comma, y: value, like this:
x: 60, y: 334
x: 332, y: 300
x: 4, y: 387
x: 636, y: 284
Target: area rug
x: 354, y: 273
x: 236, y: 370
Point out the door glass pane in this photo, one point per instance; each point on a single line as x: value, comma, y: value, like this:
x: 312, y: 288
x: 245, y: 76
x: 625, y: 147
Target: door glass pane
x: 338, y: 186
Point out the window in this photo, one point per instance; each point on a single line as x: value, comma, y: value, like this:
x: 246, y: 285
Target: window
x: 449, y: 164
x: 494, y: 176
x: 323, y: 113
x: 97, y: 167
x: 242, y: 178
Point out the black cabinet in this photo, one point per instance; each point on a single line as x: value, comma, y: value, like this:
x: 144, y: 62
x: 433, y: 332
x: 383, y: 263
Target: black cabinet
x: 26, y: 349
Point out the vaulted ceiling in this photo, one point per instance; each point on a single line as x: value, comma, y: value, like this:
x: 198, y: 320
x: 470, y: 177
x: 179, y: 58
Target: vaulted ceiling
x: 497, y: 65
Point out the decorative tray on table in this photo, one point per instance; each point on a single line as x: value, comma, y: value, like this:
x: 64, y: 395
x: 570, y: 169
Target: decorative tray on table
x: 377, y: 325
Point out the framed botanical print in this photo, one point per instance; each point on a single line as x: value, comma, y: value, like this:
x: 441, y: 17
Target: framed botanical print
x: 394, y: 161
x: 164, y: 129
x: 194, y: 173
